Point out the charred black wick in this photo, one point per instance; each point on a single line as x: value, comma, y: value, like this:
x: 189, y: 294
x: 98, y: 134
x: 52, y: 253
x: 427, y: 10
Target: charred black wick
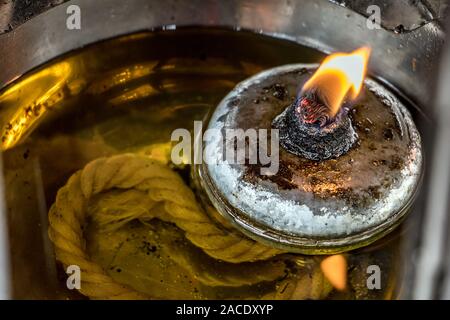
x: 308, y: 130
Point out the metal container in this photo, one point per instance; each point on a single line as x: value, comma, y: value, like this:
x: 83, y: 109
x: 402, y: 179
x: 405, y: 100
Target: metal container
x: 405, y: 50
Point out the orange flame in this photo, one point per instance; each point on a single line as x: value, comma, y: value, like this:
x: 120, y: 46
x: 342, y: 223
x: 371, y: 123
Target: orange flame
x: 334, y: 269
x: 339, y: 76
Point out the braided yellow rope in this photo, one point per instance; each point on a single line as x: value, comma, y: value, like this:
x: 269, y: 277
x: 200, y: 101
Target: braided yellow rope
x: 165, y: 197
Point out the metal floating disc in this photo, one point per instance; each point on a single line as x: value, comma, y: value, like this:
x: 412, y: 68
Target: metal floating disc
x: 308, y: 206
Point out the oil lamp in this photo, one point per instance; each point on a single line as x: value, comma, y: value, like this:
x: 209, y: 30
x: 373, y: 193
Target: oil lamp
x: 348, y: 168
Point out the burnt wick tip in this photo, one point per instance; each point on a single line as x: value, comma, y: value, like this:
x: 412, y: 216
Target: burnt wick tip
x: 313, y: 109
x: 307, y: 130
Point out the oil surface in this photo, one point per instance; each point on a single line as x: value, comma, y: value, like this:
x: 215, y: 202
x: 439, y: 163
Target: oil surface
x: 128, y: 95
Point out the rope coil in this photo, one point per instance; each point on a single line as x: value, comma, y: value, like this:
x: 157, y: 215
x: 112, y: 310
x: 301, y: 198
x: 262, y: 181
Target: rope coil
x: 156, y: 192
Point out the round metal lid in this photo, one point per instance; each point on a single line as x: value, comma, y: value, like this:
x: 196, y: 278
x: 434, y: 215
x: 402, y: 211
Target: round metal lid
x: 308, y: 206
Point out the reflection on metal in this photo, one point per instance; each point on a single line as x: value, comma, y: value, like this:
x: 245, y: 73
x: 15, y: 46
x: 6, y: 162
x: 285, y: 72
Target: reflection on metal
x: 30, y: 100
x: 402, y: 59
x: 433, y: 265
x: 397, y: 15
x: 5, y: 267
x: 13, y: 13
x: 400, y: 15
x: 334, y: 269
